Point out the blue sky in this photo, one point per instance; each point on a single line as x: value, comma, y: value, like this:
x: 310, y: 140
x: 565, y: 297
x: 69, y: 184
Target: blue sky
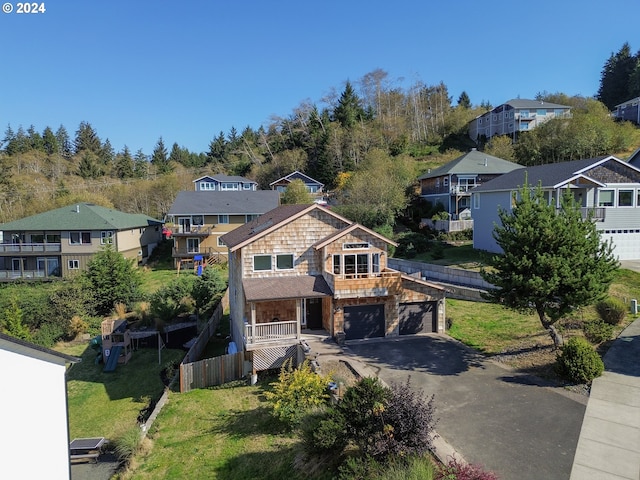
x: 138, y: 70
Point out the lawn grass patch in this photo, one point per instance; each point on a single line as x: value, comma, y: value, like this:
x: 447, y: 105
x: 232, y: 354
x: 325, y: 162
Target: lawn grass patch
x: 219, y: 433
x: 108, y: 404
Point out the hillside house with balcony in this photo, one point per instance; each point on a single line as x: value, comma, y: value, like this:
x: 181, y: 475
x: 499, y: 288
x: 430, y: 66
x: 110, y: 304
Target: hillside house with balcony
x: 606, y: 188
x: 303, y: 267
x: 224, y: 183
x: 198, y: 220
x: 61, y: 242
x: 517, y: 115
x: 450, y: 185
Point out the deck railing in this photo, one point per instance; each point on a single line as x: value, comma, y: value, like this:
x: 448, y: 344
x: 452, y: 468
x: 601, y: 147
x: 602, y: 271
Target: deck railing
x: 15, y: 274
x: 271, y: 332
x: 29, y: 247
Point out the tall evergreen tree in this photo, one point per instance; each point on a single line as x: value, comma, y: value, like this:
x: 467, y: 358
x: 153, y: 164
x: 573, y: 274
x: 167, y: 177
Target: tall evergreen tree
x: 464, y: 101
x: 349, y: 110
x: 217, y: 149
x: 124, y: 166
x: 88, y: 167
x: 160, y: 159
x: 64, y: 143
x: 615, y: 77
x: 87, y: 139
x: 50, y: 142
x: 35, y: 139
x: 107, y: 155
x: 9, y: 136
x: 553, y: 261
x: 140, y: 164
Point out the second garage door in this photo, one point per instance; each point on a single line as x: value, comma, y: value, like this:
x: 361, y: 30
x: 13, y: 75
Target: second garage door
x: 417, y: 318
x: 364, y: 321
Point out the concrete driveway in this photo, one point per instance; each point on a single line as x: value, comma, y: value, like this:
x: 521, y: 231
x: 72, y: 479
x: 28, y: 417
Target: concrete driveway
x: 510, y: 423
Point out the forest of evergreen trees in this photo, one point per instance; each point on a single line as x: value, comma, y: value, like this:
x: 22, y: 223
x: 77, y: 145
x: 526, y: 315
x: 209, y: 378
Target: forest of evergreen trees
x: 368, y: 144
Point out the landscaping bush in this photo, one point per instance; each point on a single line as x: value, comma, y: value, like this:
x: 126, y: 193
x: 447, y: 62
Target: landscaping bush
x: 128, y: 444
x: 456, y: 470
x: 297, y: 392
x: 579, y: 362
x: 611, y: 310
x: 324, y: 431
x: 411, y: 244
x: 597, y: 331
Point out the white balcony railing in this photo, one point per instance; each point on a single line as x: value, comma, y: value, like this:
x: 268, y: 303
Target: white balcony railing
x: 271, y: 332
x: 29, y: 247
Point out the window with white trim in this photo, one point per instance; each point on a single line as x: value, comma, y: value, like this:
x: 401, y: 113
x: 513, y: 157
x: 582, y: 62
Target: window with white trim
x: 207, y: 186
x: 251, y: 217
x: 193, y: 245
x: 355, y: 245
x: 73, y: 264
x: 106, y: 237
x: 79, y: 238
x: 476, y: 201
x: 220, y: 242
x: 246, y: 186
x: 261, y: 263
x: 197, y: 220
x: 605, y: 198
x: 284, y: 261
x: 225, y: 186
x: 224, y: 219
x: 625, y: 198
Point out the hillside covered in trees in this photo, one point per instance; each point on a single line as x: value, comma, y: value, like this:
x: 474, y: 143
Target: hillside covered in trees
x: 367, y: 143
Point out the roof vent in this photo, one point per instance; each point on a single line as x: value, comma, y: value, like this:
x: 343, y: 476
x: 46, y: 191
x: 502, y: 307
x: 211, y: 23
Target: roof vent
x: 77, y: 208
x: 485, y: 161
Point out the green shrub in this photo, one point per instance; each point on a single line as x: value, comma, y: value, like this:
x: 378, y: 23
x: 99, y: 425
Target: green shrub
x: 456, y: 470
x: 297, y: 392
x: 579, y: 362
x: 597, y: 331
x: 324, y: 431
x: 611, y: 310
x: 48, y: 334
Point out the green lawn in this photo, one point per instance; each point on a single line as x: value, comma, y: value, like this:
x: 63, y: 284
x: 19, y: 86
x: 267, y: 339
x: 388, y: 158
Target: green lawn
x: 107, y: 404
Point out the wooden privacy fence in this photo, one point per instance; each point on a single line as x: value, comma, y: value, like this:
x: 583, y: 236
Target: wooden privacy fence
x: 213, y: 371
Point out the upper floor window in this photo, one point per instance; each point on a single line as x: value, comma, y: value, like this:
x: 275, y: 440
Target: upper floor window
x: 261, y: 263
x: 106, y: 237
x: 605, y: 198
x: 251, y: 216
x: 284, y: 261
x: 223, y: 218
x: 541, y: 111
x: 197, y: 220
x: 79, y: 238
x: 352, y: 245
x: 207, y: 186
x: 476, y: 201
x: 220, y: 242
x: 445, y: 182
x: 55, y: 237
x: 625, y: 198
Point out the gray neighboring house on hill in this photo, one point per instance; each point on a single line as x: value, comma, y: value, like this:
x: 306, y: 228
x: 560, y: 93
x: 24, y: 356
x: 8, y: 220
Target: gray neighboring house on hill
x: 197, y: 220
x: 451, y: 184
x: 629, y: 110
x: 516, y: 115
x: 605, y: 187
x: 224, y: 183
x: 61, y: 242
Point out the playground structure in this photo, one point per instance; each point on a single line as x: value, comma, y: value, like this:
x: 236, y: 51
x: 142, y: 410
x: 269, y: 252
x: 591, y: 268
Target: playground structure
x: 116, y: 343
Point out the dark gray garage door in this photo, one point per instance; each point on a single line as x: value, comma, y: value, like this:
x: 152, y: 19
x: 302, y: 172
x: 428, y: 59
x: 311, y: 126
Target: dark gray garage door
x: 418, y: 318
x: 364, y: 321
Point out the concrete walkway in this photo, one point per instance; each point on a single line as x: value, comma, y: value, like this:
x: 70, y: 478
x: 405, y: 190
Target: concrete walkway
x: 609, y: 442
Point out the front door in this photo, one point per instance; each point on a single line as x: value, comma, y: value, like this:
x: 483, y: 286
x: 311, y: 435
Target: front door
x: 313, y: 309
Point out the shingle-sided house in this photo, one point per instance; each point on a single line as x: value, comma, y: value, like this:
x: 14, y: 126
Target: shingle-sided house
x: 224, y: 183
x: 60, y: 242
x: 450, y: 185
x: 517, y: 115
x: 306, y: 267
x: 606, y: 187
x: 314, y: 187
x: 198, y: 219
x: 35, y: 442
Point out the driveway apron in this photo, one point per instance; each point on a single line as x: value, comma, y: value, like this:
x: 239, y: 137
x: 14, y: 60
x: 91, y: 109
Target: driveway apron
x: 510, y: 423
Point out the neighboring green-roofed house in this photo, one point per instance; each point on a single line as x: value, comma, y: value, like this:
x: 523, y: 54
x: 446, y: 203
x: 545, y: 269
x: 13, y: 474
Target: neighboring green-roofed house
x: 451, y: 184
x: 60, y: 242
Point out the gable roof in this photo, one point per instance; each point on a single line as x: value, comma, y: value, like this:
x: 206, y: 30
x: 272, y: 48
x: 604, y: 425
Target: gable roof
x: 552, y: 175
x: 243, y: 202
x: 355, y: 226
x: 300, y: 176
x: 524, y: 103
x: 32, y: 350
x: 473, y: 162
x: 225, y: 178
x: 81, y: 216
x: 271, y: 221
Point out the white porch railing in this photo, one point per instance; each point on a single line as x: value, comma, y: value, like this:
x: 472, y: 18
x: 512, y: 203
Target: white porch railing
x: 271, y: 332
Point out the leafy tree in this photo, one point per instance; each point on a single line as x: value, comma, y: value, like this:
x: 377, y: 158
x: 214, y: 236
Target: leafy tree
x: 501, y: 146
x: 12, y: 321
x: 87, y: 139
x: 70, y: 299
x: 296, y: 192
x: 114, y: 279
x: 553, y: 261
